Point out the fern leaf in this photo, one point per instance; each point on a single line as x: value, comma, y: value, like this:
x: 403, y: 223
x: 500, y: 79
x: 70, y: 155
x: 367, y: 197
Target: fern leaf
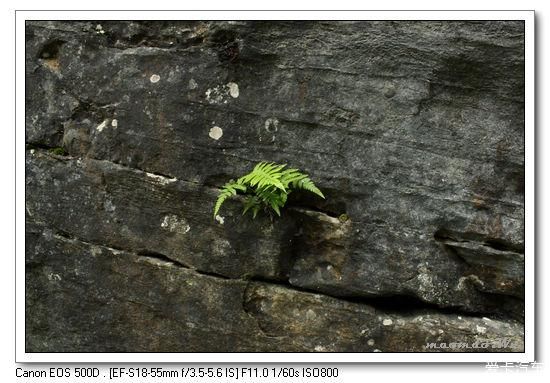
x: 264, y: 174
x: 255, y: 210
x: 266, y: 186
x: 250, y: 202
x: 273, y: 198
x: 291, y: 175
x: 275, y: 207
x: 284, y: 197
x: 308, y: 185
x: 228, y: 190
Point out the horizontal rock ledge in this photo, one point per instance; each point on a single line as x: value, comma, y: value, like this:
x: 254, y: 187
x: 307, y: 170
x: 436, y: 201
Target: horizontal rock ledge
x: 131, y: 303
x: 106, y: 203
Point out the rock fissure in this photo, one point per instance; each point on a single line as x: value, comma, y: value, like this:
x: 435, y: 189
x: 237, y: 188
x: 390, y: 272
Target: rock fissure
x: 401, y: 304
x: 170, y: 261
x: 48, y: 151
x: 472, y: 239
x: 396, y: 304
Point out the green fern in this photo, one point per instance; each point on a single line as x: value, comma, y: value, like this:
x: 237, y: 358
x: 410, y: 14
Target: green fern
x: 264, y: 174
x: 266, y: 186
x: 252, y: 202
x: 228, y: 190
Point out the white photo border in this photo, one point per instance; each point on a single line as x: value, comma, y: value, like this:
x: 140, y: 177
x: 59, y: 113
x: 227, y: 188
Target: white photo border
x: 528, y: 356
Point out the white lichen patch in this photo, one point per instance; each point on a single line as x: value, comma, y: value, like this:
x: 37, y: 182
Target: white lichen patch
x: 192, y: 84
x: 220, y: 219
x: 175, y: 224
x: 233, y: 89
x: 114, y: 123
x: 220, y: 93
x: 370, y: 342
x: 272, y: 125
x: 215, y: 95
x: 215, y: 133
x: 108, y: 206
x: 310, y: 314
x: 161, y: 179
x: 425, y: 282
x: 95, y: 251
x: 154, y: 78
x: 54, y: 277
x: 319, y: 348
x: 101, y: 126
x: 481, y: 329
x: 468, y: 281
x: 222, y: 248
x: 387, y: 322
x: 156, y: 262
x: 175, y: 75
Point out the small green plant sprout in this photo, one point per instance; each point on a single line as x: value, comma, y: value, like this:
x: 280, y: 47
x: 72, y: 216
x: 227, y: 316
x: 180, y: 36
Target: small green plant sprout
x: 58, y: 151
x: 266, y: 186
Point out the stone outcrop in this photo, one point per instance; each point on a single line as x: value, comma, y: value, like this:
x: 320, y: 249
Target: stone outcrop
x: 414, y: 131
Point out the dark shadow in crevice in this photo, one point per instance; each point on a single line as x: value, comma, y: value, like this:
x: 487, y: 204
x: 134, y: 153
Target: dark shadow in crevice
x: 57, y: 150
x: 174, y: 262
x: 444, y: 235
x: 399, y: 304
x: 332, y: 205
x: 50, y: 50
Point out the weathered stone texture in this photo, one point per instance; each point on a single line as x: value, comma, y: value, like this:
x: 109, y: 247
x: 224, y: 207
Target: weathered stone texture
x: 413, y: 130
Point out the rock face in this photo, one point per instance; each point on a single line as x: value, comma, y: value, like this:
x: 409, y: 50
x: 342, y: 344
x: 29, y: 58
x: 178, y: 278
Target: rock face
x: 414, y: 131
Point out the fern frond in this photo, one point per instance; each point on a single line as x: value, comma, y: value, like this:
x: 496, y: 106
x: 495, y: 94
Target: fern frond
x: 250, y: 203
x: 273, y: 198
x: 289, y: 176
x: 228, y: 190
x: 255, y: 210
x: 307, y: 184
x: 266, y: 186
x: 264, y: 174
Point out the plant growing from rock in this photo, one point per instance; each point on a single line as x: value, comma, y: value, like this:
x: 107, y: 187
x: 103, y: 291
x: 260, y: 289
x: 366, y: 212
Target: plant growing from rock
x: 267, y: 186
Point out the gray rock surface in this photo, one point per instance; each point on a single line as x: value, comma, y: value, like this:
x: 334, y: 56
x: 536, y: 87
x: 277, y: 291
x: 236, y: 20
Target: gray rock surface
x: 99, y: 299
x: 413, y: 130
